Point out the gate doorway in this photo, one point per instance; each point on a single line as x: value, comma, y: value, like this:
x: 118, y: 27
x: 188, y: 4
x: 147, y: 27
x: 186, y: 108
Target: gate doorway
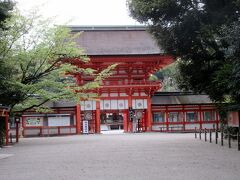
x: 112, y: 121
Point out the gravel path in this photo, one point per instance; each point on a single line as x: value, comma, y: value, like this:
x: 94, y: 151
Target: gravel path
x: 146, y: 156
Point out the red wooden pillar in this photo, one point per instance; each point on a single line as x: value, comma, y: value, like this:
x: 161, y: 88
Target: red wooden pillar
x: 200, y: 116
x: 184, y: 120
x: 145, y: 120
x: 41, y: 131
x: 17, y: 131
x: 217, y: 121
x: 167, y: 119
x: 6, y: 126
x: 98, y: 119
x: 23, y: 127
x: 149, y: 114
x: 58, y: 130
x: 125, y: 121
x: 78, y: 119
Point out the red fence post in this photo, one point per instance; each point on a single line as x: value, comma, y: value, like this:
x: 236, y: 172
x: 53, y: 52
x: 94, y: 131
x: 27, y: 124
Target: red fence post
x: 6, y: 126
x: 58, y: 130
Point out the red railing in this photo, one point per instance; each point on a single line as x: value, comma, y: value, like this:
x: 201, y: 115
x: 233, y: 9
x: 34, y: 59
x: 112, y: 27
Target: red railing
x: 49, y: 130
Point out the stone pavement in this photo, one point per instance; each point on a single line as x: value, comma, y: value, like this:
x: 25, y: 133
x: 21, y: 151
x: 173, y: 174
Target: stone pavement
x: 149, y: 156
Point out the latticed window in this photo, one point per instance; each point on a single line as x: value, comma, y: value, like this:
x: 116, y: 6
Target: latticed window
x: 158, y: 117
x: 176, y: 117
x: 209, y: 115
x: 191, y: 116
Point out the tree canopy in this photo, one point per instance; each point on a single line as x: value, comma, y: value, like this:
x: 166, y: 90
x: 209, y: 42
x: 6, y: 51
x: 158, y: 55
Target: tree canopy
x: 6, y: 6
x: 203, y: 35
x: 33, y: 66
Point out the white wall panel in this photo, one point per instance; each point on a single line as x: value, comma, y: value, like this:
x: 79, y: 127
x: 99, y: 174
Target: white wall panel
x: 113, y: 94
x: 208, y: 126
x: 88, y: 105
x: 126, y: 104
x: 135, y: 94
x: 59, y: 121
x: 106, y: 104
x: 121, y: 104
x: 192, y: 126
x: 94, y: 105
x: 139, y: 104
x: 123, y: 94
x: 114, y: 104
x: 145, y: 103
x: 134, y: 103
x: 101, y: 104
x: 104, y: 95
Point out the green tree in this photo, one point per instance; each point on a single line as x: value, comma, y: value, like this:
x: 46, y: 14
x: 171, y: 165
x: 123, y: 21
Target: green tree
x: 201, y: 33
x: 170, y: 75
x: 167, y: 76
x: 6, y: 6
x: 5, y: 12
x: 232, y: 53
x: 34, y: 64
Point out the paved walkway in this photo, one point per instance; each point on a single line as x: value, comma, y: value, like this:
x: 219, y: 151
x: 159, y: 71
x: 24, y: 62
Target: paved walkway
x: 150, y: 156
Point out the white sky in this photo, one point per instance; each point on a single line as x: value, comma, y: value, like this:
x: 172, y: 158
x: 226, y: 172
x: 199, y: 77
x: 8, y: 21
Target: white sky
x: 81, y: 12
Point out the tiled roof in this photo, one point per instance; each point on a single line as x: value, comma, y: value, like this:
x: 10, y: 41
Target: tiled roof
x: 181, y: 99
x: 116, y: 40
x: 4, y: 107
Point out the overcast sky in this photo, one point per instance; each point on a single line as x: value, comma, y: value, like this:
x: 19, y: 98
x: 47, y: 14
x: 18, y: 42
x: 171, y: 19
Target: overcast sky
x: 82, y: 12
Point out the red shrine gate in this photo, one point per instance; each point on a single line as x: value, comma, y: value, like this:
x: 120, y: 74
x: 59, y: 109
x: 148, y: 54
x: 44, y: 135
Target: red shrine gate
x: 138, y: 56
x: 127, y: 88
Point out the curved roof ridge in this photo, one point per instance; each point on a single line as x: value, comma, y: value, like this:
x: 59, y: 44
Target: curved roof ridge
x: 107, y: 28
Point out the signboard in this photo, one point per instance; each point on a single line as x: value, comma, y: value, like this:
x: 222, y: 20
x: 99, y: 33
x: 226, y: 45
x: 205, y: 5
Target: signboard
x: 59, y: 121
x: 85, y: 127
x: 34, y: 121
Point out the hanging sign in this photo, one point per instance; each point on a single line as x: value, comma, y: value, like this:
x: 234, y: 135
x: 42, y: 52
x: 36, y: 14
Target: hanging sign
x: 85, y: 127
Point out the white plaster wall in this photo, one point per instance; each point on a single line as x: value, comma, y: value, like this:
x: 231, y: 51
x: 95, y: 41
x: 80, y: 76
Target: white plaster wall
x: 88, y: 105
x: 208, y: 126
x: 114, y: 104
x: 50, y: 131
x: 67, y: 130
x: 139, y: 103
x: 113, y: 94
x: 192, y: 126
x: 158, y: 127
x: 32, y: 132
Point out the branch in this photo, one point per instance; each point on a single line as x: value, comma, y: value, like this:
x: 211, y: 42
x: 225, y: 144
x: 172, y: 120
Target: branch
x: 42, y: 74
x: 43, y: 62
x: 35, y: 105
x: 21, y: 33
